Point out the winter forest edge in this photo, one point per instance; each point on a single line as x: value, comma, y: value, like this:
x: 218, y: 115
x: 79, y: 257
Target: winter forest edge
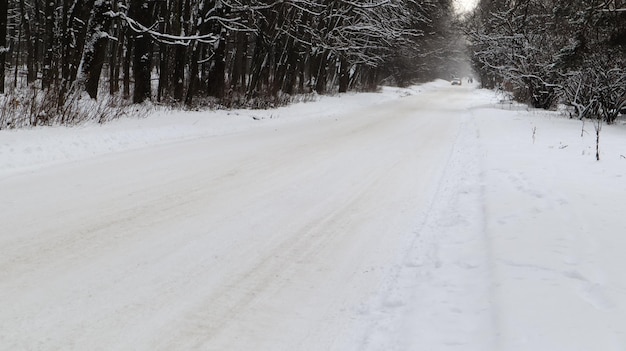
x: 550, y: 52
x: 61, y: 55
x: 67, y: 61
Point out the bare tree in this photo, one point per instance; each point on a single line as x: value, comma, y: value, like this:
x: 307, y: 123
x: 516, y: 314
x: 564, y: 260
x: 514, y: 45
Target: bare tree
x: 544, y: 51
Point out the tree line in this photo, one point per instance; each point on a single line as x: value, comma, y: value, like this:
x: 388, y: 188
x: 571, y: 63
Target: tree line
x: 231, y: 51
x: 547, y: 52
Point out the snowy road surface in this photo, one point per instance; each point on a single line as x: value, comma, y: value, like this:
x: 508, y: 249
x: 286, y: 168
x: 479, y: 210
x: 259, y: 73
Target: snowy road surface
x: 386, y: 226
x: 270, y: 239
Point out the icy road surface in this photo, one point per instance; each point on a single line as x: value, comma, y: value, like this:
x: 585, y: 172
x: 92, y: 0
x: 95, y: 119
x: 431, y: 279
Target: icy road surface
x: 438, y: 222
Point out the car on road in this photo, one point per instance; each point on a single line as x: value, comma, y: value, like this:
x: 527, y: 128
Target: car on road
x: 456, y: 81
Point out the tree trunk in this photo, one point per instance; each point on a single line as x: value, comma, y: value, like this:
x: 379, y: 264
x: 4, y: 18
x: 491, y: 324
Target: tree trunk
x: 18, y: 53
x: 117, y: 50
x: 164, y: 88
x: 141, y: 11
x: 73, y: 43
x: 257, y: 64
x: 281, y: 67
x: 28, y: 39
x: 48, y: 45
x: 128, y: 56
x: 344, y: 75
x: 217, y: 74
x: 193, y: 74
x: 3, y: 41
x: 36, y: 52
x: 180, y: 53
x: 163, y: 73
x: 293, y: 67
x: 238, y: 72
x: 320, y: 84
x: 95, y: 50
x: 180, y: 56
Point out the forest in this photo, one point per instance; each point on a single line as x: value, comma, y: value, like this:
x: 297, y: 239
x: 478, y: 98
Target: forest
x: 59, y: 55
x: 550, y: 52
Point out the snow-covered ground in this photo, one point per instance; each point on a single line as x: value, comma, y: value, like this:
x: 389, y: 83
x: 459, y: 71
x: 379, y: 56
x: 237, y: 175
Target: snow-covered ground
x: 430, y: 218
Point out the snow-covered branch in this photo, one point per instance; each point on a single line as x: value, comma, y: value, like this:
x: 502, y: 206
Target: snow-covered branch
x: 162, y: 37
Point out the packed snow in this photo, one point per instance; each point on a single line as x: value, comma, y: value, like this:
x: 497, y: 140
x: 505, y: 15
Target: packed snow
x: 436, y: 217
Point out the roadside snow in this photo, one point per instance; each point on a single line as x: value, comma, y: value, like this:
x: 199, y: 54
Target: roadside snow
x: 28, y: 149
x: 430, y: 218
x: 557, y: 229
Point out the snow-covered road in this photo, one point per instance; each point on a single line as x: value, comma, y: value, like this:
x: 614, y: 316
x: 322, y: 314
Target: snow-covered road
x: 281, y: 237
x: 439, y: 221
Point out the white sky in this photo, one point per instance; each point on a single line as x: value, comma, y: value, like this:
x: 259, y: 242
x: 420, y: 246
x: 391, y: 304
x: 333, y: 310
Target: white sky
x: 465, y: 5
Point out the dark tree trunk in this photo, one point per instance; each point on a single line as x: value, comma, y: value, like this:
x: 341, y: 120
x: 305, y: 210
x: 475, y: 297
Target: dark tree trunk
x: 36, y: 39
x: 281, y: 67
x: 65, y: 42
x: 141, y: 11
x: 76, y: 29
x: 48, y: 45
x: 193, y: 74
x: 73, y: 42
x: 215, y: 83
x: 293, y: 64
x: 258, y: 62
x: 128, y: 56
x: 117, y: 52
x: 142, y: 60
x: 3, y: 40
x: 31, y: 74
x: 238, y: 72
x: 217, y: 74
x: 165, y: 74
x: 320, y: 84
x: 180, y: 54
x: 95, y: 50
x: 344, y: 75
x: 302, y: 66
x: 18, y: 53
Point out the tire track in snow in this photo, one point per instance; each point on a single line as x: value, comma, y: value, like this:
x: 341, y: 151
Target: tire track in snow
x: 441, y: 295
x: 267, y: 240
